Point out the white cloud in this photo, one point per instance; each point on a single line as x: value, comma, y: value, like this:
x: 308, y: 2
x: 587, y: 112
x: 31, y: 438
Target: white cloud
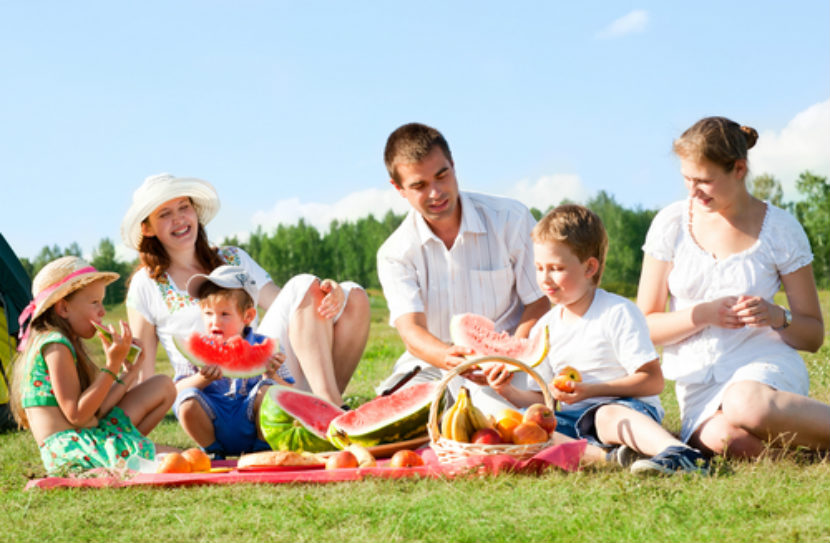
x: 631, y: 23
x: 545, y: 191
x: 804, y: 144
x: 350, y: 208
x: 549, y: 190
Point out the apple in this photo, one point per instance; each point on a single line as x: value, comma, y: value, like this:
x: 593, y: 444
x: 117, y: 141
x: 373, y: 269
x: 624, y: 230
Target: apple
x: 342, y: 459
x: 541, y: 415
x: 529, y: 432
x: 486, y: 436
x: 405, y: 458
x: 566, y: 378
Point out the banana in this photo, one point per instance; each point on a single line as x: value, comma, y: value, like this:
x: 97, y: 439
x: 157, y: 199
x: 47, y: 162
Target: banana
x: 478, y: 419
x: 364, y: 457
x: 446, y: 421
x: 460, y: 425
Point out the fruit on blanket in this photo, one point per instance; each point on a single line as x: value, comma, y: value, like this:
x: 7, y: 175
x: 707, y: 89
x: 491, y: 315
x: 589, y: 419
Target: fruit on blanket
x: 566, y: 378
x: 363, y: 455
x: 486, y: 436
x: 405, y: 458
x: 173, y: 463
x: 478, y: 333
x: 342, y: 459
x: 198, y: 460
x: 293, y: 420
x: 529, y: 432
x: 399, y: 416
x: 506, y: 426
x: 236, y: 357
x: 541, y: 415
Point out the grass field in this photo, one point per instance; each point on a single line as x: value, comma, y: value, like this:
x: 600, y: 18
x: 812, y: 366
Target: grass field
x: 769, y: 500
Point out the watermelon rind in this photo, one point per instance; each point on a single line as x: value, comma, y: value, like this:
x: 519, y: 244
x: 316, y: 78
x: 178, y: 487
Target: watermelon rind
x: 400, y: 416
x: 259, y: 355
x: 287, y: 431
x: 534, y: 352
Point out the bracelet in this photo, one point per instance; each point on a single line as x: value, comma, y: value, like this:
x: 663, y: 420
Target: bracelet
x: 114, y: 376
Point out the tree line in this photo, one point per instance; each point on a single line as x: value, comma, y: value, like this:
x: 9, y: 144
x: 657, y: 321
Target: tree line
x: 347, y: 250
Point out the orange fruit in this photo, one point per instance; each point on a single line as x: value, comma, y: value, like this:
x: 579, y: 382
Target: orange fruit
x: 198, y: 460
x: 505, y: 427
x: 529, y: 432
x: 406, y: 459
x: 510, y: 413
x: 173, y: 463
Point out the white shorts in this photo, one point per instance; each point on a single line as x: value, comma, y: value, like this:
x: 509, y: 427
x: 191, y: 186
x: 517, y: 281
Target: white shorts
x: 699, y: 401
x: 275, y: 321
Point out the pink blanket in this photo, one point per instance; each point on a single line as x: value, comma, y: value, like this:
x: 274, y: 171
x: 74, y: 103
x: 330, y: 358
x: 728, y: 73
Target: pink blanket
x: 565, y: 457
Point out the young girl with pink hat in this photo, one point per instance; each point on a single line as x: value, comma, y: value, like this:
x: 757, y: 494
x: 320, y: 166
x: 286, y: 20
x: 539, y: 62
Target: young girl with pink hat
x: 81, y: 415
x: 322, y: 325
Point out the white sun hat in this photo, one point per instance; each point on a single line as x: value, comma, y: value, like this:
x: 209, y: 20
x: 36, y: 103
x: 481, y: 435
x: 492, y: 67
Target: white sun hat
x: 161, y: 188
x: 225, y: 277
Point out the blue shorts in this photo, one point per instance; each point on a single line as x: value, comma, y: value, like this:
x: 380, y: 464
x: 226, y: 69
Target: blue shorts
x: 580, y: 423
x: 232, y: 413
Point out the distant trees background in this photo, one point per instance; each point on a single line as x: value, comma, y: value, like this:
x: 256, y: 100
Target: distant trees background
x: 347, y: 250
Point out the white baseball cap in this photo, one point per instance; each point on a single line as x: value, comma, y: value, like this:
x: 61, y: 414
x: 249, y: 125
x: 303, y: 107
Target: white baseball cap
x: 225, y: 277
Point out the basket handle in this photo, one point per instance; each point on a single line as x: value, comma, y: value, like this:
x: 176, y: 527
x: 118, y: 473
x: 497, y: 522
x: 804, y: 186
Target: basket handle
x: 432, y: 425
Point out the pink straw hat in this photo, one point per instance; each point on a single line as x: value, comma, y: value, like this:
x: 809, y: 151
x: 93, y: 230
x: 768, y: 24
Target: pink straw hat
x: 161, y: 188
x: 57, y: 280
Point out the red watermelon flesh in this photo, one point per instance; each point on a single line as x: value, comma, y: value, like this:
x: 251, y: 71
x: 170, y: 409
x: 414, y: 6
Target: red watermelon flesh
x: 386, y: 419
x: 236, y: 357
x: 478, y: 333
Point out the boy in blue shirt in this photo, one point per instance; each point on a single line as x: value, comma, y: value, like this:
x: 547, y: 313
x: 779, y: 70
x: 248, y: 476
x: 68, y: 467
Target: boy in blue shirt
x: 606, y: 338
x: 221, y: 414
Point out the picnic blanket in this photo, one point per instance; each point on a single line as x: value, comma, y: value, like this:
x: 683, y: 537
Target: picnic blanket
x: 565, y: 457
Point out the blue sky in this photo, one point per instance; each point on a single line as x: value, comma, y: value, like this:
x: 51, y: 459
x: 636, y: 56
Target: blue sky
x: 285, y: 106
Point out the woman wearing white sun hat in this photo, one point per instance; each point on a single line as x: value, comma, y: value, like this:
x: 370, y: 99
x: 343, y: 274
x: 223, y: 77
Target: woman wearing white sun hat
x: 322, y: 325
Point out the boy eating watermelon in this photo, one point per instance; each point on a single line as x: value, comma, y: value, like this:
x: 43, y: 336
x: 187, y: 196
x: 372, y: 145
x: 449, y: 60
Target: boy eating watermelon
x: 221, y: 413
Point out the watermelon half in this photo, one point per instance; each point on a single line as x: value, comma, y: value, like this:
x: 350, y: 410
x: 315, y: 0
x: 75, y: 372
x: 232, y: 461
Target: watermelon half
x: 293, y: 420
x: 399, y: 416
x: 478, y: 333
x: 236, y: 357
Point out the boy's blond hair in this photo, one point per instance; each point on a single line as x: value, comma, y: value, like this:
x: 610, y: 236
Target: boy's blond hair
x: 210, y: 292
x: 577, y: 227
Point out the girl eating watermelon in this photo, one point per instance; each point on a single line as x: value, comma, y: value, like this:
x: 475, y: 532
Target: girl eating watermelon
x: 322, y: 325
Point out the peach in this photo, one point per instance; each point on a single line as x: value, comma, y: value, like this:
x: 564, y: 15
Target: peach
x: 342, y: 459
x: 198, y: 460
x: 173, y: 463
x: 405, y: 458
x: 486, y: 436
x: 541, y: 415
x: 566, y: 378
x: 529, y: 432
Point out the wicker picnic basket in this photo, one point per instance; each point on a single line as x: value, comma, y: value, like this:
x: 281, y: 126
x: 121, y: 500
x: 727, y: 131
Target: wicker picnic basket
x: 448, y: 450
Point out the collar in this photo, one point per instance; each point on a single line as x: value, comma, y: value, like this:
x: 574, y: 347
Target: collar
x: 471, y: 221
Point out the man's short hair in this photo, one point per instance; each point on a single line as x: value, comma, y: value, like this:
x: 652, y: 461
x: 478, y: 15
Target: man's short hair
x: 409, y: 144
x: 577, y: 227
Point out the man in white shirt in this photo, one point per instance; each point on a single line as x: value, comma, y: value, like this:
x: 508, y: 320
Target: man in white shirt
x: 455, y: 252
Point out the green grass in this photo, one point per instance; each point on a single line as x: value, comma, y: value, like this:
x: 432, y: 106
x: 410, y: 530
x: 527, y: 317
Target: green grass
x: 769, y: 500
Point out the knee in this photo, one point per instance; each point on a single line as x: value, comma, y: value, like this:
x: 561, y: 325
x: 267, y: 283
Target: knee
x: 190, y: 411
x: 747, y: 404
x: 357, y: 305
x: 718, y: 436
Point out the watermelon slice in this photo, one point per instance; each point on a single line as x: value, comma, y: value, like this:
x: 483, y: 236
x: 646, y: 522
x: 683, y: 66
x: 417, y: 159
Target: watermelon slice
x: 397, y: 417
x: 293, y: 420
x: 236, y: 357
x: 478, y: 333
x: 132, y: 354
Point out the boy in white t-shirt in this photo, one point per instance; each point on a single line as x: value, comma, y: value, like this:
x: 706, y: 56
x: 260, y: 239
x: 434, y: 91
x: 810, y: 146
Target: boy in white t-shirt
x: 606, y: 338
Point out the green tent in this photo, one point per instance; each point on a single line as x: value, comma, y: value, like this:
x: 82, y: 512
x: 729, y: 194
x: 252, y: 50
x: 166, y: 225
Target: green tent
x: 15, y: 294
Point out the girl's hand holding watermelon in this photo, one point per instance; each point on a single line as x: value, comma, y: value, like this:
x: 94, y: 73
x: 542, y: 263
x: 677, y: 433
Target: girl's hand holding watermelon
x: 498, y: 377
